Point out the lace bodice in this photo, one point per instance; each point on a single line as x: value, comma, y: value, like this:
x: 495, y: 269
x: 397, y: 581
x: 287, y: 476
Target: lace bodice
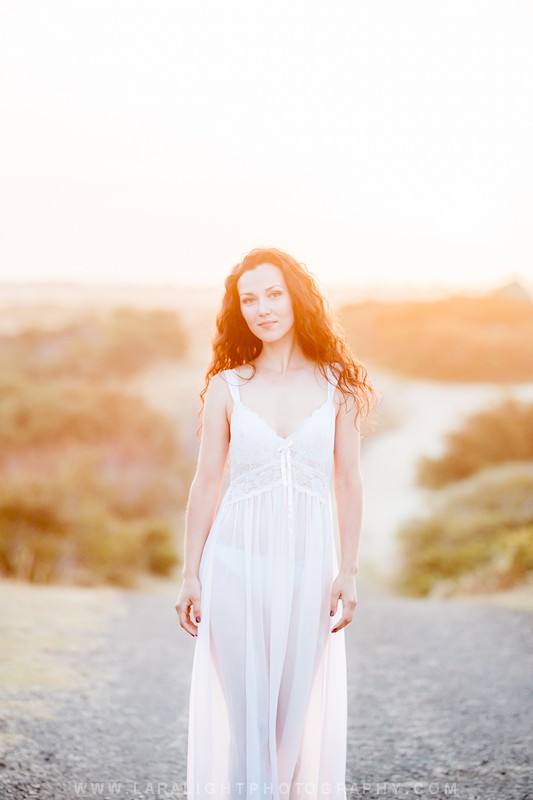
x: 260, y: 459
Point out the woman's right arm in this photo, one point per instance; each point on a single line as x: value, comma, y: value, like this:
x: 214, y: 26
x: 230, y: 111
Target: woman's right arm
x: 203, y: 498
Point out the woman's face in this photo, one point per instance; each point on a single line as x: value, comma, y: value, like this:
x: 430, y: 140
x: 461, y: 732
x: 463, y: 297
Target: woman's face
x: 265, y: 302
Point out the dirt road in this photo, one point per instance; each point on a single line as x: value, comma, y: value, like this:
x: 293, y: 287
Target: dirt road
x: 439, y: 703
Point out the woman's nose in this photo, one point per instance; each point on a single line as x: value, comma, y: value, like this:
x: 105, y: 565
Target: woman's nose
x: 263, y: 307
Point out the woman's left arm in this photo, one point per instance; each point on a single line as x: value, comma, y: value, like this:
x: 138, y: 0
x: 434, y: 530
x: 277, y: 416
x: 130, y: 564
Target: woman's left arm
x: 348, y: 483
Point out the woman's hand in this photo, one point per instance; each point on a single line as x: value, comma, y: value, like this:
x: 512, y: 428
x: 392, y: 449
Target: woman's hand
x: 189, y: 598
x: 343, y: 588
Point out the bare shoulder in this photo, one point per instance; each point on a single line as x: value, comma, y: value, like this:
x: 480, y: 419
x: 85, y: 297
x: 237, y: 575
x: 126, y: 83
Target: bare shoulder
x: 345, y: 401
x: 217, y: 396
x: 215, y: 429
x: 218, y: 385
x: 337, y: 396
x: 337, y: 399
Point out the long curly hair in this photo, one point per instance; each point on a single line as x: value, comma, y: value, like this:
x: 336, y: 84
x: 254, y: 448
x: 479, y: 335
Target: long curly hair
x: 316, y: 331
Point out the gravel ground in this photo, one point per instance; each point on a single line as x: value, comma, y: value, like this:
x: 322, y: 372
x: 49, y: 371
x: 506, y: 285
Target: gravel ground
x: 439, y: 706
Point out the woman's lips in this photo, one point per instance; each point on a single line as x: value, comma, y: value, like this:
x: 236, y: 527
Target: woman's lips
x: 267, y: 324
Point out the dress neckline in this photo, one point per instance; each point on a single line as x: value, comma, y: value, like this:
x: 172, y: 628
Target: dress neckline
x: 295, y: 431
x: 250, y: 410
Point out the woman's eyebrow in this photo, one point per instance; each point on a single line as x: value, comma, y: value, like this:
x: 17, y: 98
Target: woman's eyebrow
x: 268, y: 288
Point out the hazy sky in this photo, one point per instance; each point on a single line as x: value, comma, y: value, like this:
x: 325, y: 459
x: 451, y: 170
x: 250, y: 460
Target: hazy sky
x: 378, y: 142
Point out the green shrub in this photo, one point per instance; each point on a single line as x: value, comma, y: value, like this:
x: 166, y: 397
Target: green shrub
x: 50, y: 531
x: 479, y: 534
x: 491, y: 436
x: 90, y: 483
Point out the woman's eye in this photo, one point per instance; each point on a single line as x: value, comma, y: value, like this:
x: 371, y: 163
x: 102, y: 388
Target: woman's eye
x: 247, y: 300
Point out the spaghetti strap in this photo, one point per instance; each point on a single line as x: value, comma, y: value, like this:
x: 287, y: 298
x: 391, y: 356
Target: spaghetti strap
x: 232, y: 380
x: 331, y: 386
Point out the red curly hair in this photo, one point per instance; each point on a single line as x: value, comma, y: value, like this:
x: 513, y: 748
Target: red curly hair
x: 316, y: 330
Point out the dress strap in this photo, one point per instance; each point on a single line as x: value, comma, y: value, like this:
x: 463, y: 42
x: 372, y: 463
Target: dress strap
x: 232, y: 379
x: 331, y: 386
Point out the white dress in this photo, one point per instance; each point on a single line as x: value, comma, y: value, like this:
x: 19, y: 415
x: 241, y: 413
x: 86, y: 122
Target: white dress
x: 268, y: 699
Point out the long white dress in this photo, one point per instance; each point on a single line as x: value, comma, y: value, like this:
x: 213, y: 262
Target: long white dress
x: 268, y: 698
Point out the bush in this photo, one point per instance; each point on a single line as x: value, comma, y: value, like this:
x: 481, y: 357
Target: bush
x: 54, y: 413
x: 51, y: 530
x: 480, y: 534
x: 119, y: 344
x: 459, y: 338
x: 492, y: 436
x: 91, y: 480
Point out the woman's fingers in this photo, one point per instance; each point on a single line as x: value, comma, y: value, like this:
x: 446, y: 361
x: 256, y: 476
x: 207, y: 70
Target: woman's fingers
x: 343, y: 589
x: 348, y: 610
x: 334, y: 601
x: 183, y: 608
x: 188, y: 605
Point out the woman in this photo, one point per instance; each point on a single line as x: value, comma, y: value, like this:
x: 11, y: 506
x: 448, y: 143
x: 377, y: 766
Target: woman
x: 261, y: 581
